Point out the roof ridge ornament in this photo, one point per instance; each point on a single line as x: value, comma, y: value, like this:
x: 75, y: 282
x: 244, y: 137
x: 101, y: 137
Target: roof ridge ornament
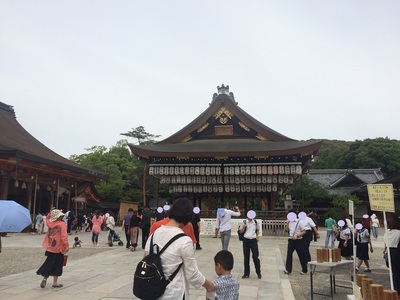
x: 224, y: 90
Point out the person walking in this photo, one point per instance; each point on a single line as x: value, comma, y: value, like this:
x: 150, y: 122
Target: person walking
x: 97, y: 222
x: 56, y: 245
x: 39, y: 223
x: 251, y: 230
x: 223, y: 223
x: 344, y: 235
x: 125, y: 227
x: 181, y: 250
x: 310, y: 227
x: 134, y: 226
x: 147, y: 215
x: 196, y: 226
x: 331, y: 229
x: 363, y: 240
x: 375, y: 225
x: 296, y: 231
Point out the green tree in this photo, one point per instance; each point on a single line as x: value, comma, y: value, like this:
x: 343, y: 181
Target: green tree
x: 340, y: 201
x: 312, y: 191
x: 380, y: 153
x: 144, y: 137
x: 141, y: 135
x: 122, y: 169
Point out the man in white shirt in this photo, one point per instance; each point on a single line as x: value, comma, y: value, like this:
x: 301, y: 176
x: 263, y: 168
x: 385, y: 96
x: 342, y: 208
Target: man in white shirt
x: 296, y: 231
x: 223, y: 223
x: 309, y: 226
x: 251, y: 229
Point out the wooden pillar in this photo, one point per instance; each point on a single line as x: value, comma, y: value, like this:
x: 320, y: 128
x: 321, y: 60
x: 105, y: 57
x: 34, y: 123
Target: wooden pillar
x: 4, y: 187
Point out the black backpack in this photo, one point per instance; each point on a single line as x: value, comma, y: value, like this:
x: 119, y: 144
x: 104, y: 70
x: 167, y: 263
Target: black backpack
x: 149, y: 281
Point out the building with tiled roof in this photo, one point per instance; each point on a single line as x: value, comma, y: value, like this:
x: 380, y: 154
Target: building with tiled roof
x: 35, y: 176
x: 226, y: 154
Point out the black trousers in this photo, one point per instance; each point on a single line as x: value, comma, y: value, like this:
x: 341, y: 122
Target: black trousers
x: 251, y: 245
x: 145, y: 234
x: 298, y: 246
x: 128, y: 237
x: 307, y: 240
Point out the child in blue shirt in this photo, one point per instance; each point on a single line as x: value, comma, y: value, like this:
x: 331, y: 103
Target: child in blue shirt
x: 226, y: 286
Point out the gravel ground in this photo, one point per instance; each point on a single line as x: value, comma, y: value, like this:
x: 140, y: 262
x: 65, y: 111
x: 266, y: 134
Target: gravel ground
x: 301, y: 283
x: 17, y: 260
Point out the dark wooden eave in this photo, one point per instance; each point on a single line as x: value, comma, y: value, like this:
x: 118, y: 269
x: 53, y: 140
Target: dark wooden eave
x: 19, y: 147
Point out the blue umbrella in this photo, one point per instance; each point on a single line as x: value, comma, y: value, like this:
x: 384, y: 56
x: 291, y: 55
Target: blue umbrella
x: 13, y: 216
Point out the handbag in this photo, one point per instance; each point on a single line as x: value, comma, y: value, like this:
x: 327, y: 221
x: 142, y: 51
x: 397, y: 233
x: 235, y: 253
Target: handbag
x: 241, y: 235
x: 386, y: 258
x: 65, y: 260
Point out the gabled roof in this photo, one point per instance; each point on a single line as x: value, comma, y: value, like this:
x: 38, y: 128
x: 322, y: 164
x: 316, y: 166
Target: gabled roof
x: 226, y: 130
x: 18, y: 144
x: 345, y: 178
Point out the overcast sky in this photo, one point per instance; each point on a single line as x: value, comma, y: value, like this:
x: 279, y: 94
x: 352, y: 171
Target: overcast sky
x: 79, y: 73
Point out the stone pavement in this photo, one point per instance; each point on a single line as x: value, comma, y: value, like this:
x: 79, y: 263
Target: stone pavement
x: 109, y: 274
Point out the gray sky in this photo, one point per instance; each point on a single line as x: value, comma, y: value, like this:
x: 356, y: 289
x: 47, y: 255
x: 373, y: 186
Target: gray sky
x: 79, y: 73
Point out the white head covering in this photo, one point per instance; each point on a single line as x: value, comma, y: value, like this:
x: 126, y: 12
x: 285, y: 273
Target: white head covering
x: 55, y: 214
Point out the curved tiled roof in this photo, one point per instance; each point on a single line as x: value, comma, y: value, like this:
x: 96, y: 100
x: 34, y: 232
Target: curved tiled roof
x: 16, y: 142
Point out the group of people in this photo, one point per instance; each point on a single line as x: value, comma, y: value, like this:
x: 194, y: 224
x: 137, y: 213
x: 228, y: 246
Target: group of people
x: 300, y: 229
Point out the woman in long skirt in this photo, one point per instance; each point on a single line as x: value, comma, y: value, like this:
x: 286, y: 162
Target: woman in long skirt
x: 56, y: 245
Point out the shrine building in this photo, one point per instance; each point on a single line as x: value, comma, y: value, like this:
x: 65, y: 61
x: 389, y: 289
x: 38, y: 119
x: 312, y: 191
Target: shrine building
x: 227, y: 155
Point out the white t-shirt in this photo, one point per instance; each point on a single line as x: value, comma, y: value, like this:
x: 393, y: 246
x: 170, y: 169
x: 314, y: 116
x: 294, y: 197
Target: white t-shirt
x: 392, y: 238
x: 180, y: 250
x: 295, y: 227
x: 224, y: 223
x: 110, y: 223
x: 308, y: 223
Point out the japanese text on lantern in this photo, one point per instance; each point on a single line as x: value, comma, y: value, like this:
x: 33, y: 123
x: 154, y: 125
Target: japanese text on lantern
x: 381, y: 197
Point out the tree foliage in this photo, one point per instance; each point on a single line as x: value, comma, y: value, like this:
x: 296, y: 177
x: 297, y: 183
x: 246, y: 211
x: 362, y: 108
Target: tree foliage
x: 122, y: 168
x: 368, y: 154
x: 313, y: 192
x: 341, y: 201
x: 141, y: 135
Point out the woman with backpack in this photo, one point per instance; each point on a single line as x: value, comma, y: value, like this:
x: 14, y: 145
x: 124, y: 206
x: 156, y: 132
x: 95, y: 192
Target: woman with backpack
x: 177, y: 253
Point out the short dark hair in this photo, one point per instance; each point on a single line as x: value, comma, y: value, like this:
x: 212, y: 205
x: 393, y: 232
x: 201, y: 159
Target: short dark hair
x: 181, y: 211
x: 130, y: 209
x: 225, y: 259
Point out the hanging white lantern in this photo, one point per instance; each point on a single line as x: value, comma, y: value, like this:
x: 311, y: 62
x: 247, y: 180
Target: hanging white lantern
x: 298, y: 170
x: 281, y: 170
x: 276, y: 170
x: 264, y: 170
x: 274, y: 187
x: 270, y: 170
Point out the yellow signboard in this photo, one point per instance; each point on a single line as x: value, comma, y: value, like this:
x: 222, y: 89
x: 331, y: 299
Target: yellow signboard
x: 381, y: 197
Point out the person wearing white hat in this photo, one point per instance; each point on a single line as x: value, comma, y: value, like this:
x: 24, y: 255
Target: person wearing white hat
x: 375, y: 225
x: 251, y: 230
x: 56, y: 245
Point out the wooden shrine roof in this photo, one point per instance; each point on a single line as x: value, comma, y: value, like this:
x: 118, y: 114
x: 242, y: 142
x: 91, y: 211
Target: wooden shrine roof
x: 17, y: 144
x: 226, y: 130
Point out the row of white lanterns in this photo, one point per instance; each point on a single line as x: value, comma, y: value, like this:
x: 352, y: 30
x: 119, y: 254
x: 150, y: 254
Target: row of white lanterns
x: 228, y: 170
x: 226, y: 179
x: 221, y: 188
